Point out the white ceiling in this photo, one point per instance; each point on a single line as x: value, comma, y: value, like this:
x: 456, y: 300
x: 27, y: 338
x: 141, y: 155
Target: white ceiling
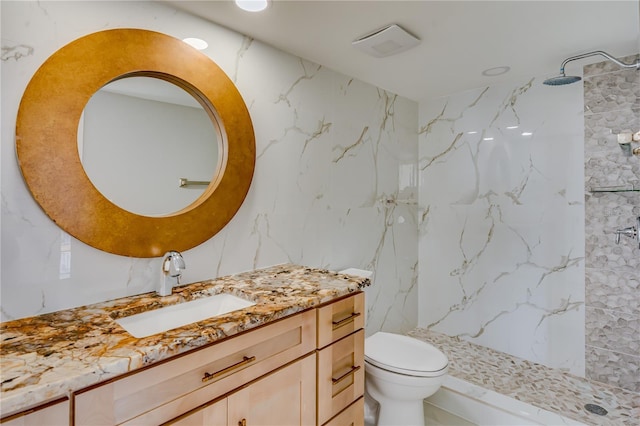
x: 460, y: 39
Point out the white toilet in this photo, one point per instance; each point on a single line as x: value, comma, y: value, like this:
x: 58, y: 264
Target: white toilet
x: 400, y: 372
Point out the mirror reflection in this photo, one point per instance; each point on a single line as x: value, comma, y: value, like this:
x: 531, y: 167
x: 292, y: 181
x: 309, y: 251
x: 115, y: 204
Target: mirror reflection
x: 139, y: 136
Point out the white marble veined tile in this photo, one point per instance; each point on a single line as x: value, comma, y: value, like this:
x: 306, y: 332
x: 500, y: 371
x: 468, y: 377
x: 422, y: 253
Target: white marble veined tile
x: 501, y: 237
x: 328, y: 148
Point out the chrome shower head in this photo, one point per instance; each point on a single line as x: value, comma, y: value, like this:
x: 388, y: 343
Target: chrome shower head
x: 563, y: 79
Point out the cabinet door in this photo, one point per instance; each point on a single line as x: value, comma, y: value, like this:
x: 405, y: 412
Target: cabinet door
x: 55, y: 413
x: 286, y: 397
x: 211, y: 415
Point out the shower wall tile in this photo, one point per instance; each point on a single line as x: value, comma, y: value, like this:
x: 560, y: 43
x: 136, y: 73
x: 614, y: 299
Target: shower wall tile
x: 612, y: 280
x: 616, y: 289
x: 612, y: 91
x: 502, y: 220
x: 606, y: 165
x: 330, y: 151
x: 607, y: 212
x: 614, y: 368
x: 616, y: 331
x: 607, y: 66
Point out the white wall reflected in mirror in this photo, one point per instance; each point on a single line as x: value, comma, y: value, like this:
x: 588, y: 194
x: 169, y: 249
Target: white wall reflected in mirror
x: 138, y: 136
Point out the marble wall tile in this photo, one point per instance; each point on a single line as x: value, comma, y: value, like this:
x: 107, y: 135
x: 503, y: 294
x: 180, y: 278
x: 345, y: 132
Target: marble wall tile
x: 606, y: 165
x: 616, y: 289
x: 329, y: 148
x: 616, y: 331
x: 607, y: 66
x: 608, y: 212
x: 615, y: 368
x: 612, y: 91
x: 612, y: 281
x: 501, y: 220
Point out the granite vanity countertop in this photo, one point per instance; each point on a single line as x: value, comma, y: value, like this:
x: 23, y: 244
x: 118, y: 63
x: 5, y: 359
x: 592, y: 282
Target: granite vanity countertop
x: 47, y: 356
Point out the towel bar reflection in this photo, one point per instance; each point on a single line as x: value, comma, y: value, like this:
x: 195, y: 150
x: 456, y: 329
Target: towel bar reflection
x: 184, y: 182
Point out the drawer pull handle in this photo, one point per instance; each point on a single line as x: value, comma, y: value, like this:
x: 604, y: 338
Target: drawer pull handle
x: 345, y: 321
x: 345, y: 375
x: 245, y: 360
x: 242, y: 422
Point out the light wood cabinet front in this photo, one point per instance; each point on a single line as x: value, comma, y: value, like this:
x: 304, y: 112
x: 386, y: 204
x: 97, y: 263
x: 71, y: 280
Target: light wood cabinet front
x: 164, y: 391
x: 340, y: 319
x: 340, y: 375
x: 307, y: 369
x: 55, y: 413
x: 351, y: 416
x: 284, y: 398
x: 287, y: 397
x: 212, y: 415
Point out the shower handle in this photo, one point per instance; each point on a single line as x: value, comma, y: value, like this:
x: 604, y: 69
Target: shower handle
x: 631, y: 232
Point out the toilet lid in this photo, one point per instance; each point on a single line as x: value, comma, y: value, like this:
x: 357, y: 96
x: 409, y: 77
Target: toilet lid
x: 404, y: 355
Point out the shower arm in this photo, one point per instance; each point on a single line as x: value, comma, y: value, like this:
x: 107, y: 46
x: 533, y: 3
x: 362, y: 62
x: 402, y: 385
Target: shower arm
x: 601, y: 53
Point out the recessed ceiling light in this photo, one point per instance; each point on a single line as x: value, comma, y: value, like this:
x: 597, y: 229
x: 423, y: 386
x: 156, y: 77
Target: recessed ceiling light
x: 252, y: 5
x: 198, y: 43
x: 512, y: 127
x: 527, y: 133
x: 492, y: 72
x: 487, y: 139
x: 472, y: 132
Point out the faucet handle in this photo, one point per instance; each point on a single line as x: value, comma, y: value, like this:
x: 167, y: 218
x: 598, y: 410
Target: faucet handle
x: 173, y: 263
x: 631, y: 232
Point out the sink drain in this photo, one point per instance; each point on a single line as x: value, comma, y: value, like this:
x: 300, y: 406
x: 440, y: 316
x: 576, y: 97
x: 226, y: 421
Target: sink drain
x: 596, y: 409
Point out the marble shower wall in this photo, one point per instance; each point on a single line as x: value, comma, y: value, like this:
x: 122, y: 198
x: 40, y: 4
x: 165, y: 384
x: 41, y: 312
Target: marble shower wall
x: 501, y: 220
x: 329, y: 149
x: 611, y: 106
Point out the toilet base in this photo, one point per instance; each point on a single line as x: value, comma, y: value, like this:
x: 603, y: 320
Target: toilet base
x: 371, y: 408
x: 405, y: 413
x: 400, y: 398
x: 397, y: 413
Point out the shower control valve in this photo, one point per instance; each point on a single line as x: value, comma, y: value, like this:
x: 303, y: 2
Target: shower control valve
x: 631, y: 232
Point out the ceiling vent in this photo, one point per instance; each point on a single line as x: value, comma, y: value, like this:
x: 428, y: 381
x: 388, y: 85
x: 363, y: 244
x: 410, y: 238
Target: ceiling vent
x: 386, y: 41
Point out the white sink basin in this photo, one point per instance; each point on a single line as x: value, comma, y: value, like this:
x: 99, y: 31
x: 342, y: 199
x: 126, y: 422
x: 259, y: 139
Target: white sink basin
x: 174, y: 316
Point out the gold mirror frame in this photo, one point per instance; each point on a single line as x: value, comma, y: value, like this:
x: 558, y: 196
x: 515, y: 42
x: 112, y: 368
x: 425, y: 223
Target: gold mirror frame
x: 47, y: 149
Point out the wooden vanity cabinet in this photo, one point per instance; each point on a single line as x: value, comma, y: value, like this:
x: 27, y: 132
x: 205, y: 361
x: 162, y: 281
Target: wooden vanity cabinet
x: 353, y: 415
x: 341, y: 361
x: 168, y: 389
x: 307, y: 369
x: 52, y: 413
x: 285, y: 397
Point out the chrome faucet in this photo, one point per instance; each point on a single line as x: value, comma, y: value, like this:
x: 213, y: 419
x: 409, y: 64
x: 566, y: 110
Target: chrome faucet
x: 172, y: 267
x: 631, y: 232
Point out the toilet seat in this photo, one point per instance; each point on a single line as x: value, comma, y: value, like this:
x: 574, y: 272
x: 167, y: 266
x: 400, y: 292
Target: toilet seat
x: 404, y: 355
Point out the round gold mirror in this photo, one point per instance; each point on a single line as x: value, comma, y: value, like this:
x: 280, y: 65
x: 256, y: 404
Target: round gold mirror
x: 47, y: 141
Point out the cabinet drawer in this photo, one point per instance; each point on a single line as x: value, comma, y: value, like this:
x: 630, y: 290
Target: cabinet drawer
x: 286, y: 397
x: 53, y: 413
x: 353, y: 415
x: 160, y: 393
x: 340, y: 319
x: 340, y: 375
